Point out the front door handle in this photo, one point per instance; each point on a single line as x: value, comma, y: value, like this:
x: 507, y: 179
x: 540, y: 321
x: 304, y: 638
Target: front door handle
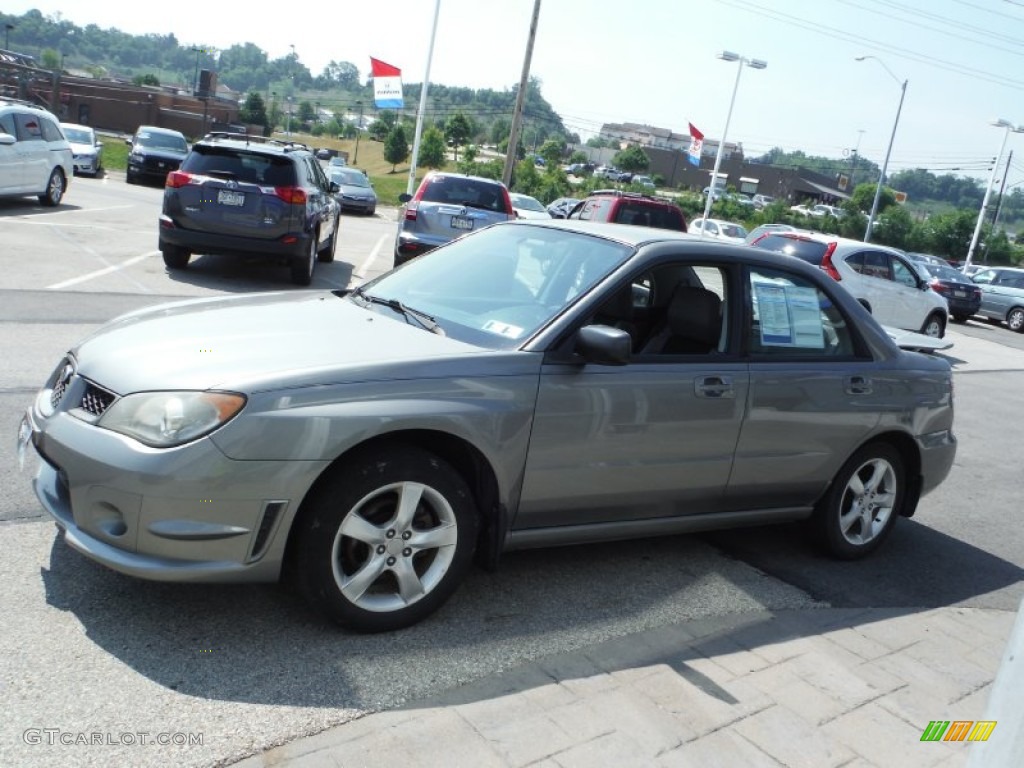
x: 714, y: 386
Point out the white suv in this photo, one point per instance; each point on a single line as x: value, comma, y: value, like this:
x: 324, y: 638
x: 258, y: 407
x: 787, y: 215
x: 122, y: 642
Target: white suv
x: 35, y: 158
x: 883, y: 279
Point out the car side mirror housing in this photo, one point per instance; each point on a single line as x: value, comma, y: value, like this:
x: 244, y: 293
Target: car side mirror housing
x: 604, y: 345
x: 334, y: 187
x: 405, y: 197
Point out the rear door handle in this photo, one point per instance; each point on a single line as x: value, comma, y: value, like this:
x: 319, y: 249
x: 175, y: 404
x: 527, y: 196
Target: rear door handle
x: 714, y: 386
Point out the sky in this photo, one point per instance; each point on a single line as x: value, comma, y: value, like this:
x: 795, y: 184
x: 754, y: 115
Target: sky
x: 656, y: 62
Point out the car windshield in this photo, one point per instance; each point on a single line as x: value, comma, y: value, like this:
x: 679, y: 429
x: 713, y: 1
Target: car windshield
x: 78, y: 135
x: 945, y: 273
x: 733, y: 230
x: 348, y: 178
x: 527, y: 202
x: 497, y: 287
x: 162, y: 141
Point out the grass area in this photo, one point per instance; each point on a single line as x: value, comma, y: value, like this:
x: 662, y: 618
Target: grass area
x: 371, y: 160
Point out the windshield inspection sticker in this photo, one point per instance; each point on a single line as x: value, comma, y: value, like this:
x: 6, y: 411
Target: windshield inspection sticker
x: 789, y: 315
x: 503, y: 329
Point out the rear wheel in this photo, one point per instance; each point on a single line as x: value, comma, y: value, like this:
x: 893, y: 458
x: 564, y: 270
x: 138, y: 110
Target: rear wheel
x: 54, y: 189
x: 1016, y: 319
x: 860, y: 508
x: 934, y: 326
x: 326, y: 255
x: 302, y: 269
x: 175, y: 257
x: 386, y: 539
x: 960, y: 318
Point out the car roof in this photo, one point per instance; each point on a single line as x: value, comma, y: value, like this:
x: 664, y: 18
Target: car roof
x: 157, y: 129
x: 449, y: 174
x: 251, y: 142
x: 824, y: 237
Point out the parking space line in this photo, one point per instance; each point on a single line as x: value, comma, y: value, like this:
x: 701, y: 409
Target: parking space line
x: 100, y: 272
x: 365, y: 266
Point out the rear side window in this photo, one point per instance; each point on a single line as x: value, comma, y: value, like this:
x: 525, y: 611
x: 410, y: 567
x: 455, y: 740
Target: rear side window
x: 469, y: 192
x: 29, y: 128
x: 662, y: 217
x: 810, y: 251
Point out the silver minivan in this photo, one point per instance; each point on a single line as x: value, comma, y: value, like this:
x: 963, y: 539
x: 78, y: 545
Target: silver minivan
x: 1002, y: 295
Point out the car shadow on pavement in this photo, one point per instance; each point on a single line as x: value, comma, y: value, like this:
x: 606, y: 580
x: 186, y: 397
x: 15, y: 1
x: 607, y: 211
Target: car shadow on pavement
x: 260, y: 644
x: 256, y: 273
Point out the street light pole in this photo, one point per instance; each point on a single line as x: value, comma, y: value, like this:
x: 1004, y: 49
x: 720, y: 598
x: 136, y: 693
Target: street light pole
x: 888, y: 151
x: 195, y: 80
x: 7, y: 35
x: 359, y: 129
x: 753, y: 64
x: 988, y: 187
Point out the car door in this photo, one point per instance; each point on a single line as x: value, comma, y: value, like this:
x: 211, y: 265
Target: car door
x: 1006, y: 292
x: 991, y: 300
x: 653, y: 438
x: 811, y: 385
x: 33, y: 152
x: 874, y: 283
x: 323, y: 203
x: 11, y: 176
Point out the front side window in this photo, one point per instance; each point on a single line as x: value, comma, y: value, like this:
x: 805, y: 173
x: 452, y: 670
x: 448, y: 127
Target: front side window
x: 50, y: 130
x: 904, y: 274
x: 790, y: 316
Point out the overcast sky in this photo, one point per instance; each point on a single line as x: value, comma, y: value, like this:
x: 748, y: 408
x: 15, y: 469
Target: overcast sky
x: 654, y: 62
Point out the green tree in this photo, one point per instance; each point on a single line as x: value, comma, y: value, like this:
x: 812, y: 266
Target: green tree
x: 894, y: 227
x: 432, y: 149
x: 579, y: 156
x: 396, y: 147
x: 147, y: 79
x: 631, y: 159
x: 457, y: 131
x: 50, y: 59
x: 864, y: 195
x: 307, y: 114
x: 552, y: 151
x: 254, y: 111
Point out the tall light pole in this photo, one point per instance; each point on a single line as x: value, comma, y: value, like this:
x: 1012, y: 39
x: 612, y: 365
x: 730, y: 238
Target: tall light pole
x: 888, y: 151
x: 7, y: 35
x: 421, y: 113
x: 195, y: 81
x: 753, y: 64
x: 1000, y: 123
x: 359, y: 129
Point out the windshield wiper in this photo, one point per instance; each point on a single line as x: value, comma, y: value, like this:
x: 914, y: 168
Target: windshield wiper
x: 425, y: 320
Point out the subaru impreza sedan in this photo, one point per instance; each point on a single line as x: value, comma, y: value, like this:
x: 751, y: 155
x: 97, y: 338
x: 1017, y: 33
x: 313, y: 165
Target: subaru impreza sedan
x: 531, y: 384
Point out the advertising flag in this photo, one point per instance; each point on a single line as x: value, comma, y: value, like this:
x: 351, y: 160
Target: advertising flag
x: 696, y: 144
x: 387, y: 85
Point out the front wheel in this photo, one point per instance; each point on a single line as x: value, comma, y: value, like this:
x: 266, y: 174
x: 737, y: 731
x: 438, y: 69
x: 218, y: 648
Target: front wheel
x: 1015, y: 320
x: 385, y: 540
x: 860, y: 508
x: 54, y: 189
x: 934, y: 326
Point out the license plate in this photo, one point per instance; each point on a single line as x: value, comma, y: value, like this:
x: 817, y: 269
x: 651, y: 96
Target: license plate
x: 225, y: 197
x: 161, y: 165
x: 461, y: 222
x: 24, y: 436
x: 960, y: 294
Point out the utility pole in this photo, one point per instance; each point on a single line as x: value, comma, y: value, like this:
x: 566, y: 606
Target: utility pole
x: 999, y: 208
x: 517, y: 115
x: 359, y: 129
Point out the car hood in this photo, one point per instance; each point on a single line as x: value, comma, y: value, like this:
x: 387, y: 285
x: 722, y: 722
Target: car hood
x: 175, y: 154
x: 83, y: 149
x: 260, y: 341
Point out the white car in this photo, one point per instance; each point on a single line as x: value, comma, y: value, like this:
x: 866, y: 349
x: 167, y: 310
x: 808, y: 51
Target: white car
x: 35, y: 158
x: 890, y: 285
x: 527, y: 207
x: 821, y: 210
x: 725, y: 231
x: 86, y: 148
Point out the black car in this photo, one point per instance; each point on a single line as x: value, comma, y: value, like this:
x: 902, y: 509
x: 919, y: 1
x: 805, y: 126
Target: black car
x: 962, y: 295
x: 241, y: 195
x: 154, y: 153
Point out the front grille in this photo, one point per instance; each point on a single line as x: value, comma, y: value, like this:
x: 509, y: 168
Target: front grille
x: 61, y: 380
x: 96, y: 400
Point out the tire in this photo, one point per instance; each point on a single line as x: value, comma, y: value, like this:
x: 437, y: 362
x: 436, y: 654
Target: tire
x: 863, y: 502
x: 130, y: 178
x: 55, y: 187
x: 372, y: 212
x: 326, y: 255
x: 959, y: 318
x: 175, y: 257
x: 385, y: 540
x: 934, y: 326
x: 302, y: 269
x: 1015, y: 319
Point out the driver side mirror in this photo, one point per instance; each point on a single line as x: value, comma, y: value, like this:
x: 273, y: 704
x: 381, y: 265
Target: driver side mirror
x: 604, y: 345
x: 405, y: 197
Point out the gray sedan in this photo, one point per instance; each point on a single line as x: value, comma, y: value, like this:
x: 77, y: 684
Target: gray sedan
x: 531, y: 384
x: 355, y: 192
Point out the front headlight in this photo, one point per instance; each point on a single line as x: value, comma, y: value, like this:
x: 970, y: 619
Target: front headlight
x: 166, y: 419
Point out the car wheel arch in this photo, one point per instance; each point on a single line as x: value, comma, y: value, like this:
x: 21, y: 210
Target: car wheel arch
x: 909, y: 452
x: 464, y: 457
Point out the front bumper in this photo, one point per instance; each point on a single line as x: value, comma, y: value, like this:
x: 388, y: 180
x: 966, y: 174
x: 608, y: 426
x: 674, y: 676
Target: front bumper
x: 87, y: 165
x: 181, y: 514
